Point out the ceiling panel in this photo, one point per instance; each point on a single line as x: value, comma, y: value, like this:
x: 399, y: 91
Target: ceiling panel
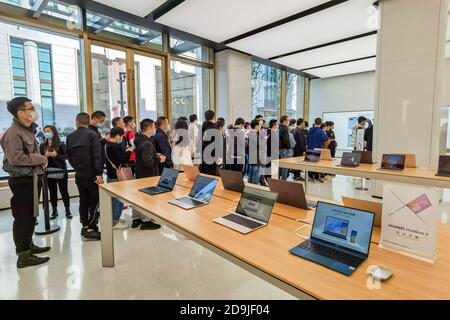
x: 344, y: 68
x: 139, y: 8
x: 344, y: 20
x: 344, y: 51
x: 219, y: 20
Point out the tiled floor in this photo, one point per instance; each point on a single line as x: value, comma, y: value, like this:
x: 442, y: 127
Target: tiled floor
x: 150, y: 264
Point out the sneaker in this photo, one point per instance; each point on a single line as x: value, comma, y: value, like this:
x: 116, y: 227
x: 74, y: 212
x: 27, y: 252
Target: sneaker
x: 322, y: 180
x: 121, y: 225
x: 136, y: 223
x: 83, y: 231
x: 54, y: 214
x: 150, y: 225
x: 38, y: 250
x: 68, y: 214
x: 92, y: 235
x: 27, y: 259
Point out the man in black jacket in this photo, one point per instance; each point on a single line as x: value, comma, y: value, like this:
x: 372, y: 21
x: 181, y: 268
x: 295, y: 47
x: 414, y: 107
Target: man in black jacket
x: 147, y: 161
x: 300, y: 144
x: 84, y: 154
x: 207, y: 131
x: 161, y: 142
x: 285, y: 144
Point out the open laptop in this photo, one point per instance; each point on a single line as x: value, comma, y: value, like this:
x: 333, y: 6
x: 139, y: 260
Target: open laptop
x: 340, y: 238
x: 312, y: 156
x: 191, y: 172
x: 325, y: 154
x: 444, y: 166
x: 410, y: 160
x: 165, y: 184
x: 200, y: 195
x: 232, y: 180
x: 350, y: 159
x: 366, y: 205
x: 394, y: 162
x: 366, y: 156
x: 253, y: 211
x: 291, y: 193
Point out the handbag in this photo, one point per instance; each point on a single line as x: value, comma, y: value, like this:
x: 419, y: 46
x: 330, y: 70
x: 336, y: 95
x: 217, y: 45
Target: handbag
x: 123, y: 173
x: 55, y: 173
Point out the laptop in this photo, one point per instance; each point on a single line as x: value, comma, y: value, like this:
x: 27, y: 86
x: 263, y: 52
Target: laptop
x: 410, y: 160
x: 340, y: 238
x: 165, y: 184
x: 291, y: 193
x: 325, y: 154
x: 372, y: 206
x: 312, y: 156
x: 350, y: 159
x: 191, y: 172
x: 366, y: 156
x: 253, y: 211
x: 232, y: 180
x: 200, y: 195
x: 444, y: 166
x: 394, y: 162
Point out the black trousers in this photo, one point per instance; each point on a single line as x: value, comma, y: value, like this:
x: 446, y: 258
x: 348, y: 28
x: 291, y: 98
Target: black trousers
x: 53, y: 185
x: 89, y: 199
x: 22, y: 211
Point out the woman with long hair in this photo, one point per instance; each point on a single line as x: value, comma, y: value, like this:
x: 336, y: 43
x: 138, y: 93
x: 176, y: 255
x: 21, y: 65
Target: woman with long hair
x: 181, y: 152
x: 56, y: 152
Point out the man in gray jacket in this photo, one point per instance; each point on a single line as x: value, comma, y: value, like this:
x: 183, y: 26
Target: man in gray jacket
x: 24, y: 165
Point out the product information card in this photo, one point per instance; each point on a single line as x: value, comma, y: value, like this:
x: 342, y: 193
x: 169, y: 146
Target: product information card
x: 410, y: 218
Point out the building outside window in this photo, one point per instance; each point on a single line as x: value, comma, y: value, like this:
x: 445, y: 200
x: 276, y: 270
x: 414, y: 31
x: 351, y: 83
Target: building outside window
x: 266, y: 91
x: 294, y: 95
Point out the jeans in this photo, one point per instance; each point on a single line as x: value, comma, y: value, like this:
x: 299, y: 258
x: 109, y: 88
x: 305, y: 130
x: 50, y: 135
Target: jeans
x: 89, y: 199
x: 284, y: 153
x: 254, y: 171
x: 22, y: 211
x: 117, y: 206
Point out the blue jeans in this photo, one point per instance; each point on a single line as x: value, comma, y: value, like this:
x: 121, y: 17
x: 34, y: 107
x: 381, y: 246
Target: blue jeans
x: 284, y: 153
x: 254, y: 172
x: 117, y: 206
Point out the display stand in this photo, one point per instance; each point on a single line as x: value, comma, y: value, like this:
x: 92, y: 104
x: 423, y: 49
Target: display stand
x: 48, y: 228
x: 360, y: 147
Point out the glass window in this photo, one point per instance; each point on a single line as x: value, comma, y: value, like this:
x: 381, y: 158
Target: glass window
x: 58, y: 100
x: 109, y: 82
x: 190, y: 90
x: 189, y: 49
x: 294, y: 95
x: 266, y: 91
x: 149, y: 87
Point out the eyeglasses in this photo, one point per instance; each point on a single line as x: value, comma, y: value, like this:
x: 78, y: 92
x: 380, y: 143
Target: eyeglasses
x: 29, y: 109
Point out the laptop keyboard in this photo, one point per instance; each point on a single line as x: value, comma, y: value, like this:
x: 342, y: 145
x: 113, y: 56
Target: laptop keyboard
x: 328, y: 252
x: 190, y: 201
x: 242, y: 221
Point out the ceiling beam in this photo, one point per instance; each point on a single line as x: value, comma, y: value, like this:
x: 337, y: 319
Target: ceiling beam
x: 340, y: 62
x: 291, y: 18
x: 362, y: 35
x: 163, y: 9
x: 37, y: 8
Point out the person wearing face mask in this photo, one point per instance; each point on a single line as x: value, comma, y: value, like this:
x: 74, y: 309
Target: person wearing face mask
x: 56, y: 152
x: 130, y: 129
x: 147, y: 165
x: 193, y: 131
x: 24, y: 165
x: 236, y: 156
x: 85, y: 156
x: 162, y: 143
x: 116, y: 158
x: 97, y: 123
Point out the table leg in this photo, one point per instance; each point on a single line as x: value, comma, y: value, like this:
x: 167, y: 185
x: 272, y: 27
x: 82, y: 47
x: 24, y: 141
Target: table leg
x: 306, y: 181
x: 274, y: 169
x: 106, y: 224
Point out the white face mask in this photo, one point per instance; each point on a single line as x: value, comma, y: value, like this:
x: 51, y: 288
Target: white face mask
x: 34, y: 116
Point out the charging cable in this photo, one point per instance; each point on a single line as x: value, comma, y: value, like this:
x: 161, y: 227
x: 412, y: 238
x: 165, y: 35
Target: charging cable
x: 300, y: 228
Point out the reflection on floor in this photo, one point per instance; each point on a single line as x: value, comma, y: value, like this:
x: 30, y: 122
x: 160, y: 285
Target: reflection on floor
x: 150, y: 264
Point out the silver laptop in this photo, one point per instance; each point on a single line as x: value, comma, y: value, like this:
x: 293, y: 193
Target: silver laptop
x: 200, y: 195
x: 253, y: 211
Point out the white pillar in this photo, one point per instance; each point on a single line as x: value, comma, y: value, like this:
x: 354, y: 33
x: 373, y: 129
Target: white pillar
x: 31, y: 56
x: 233, y: 85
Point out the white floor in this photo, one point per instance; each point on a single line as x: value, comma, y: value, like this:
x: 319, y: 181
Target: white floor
x: 150, y: 264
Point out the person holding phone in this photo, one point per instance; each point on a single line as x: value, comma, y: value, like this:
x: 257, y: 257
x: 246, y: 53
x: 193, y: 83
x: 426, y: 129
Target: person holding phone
x: 56, y: 152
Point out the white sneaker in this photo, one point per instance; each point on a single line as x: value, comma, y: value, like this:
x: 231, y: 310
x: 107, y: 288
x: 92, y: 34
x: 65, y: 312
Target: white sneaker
x: 121, y: 225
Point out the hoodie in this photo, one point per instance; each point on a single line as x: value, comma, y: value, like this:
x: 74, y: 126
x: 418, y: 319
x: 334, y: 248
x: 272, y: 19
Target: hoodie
x: 316, y: 138
x: 146, y: 158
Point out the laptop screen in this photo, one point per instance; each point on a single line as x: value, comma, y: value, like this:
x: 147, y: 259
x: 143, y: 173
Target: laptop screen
x: 345, y: 227
x: 393, y: 161
x: 203, y: 188
x: 444, y: 164
x: 257, y: 204
x: 351, y: 159
x: 168, y: 178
